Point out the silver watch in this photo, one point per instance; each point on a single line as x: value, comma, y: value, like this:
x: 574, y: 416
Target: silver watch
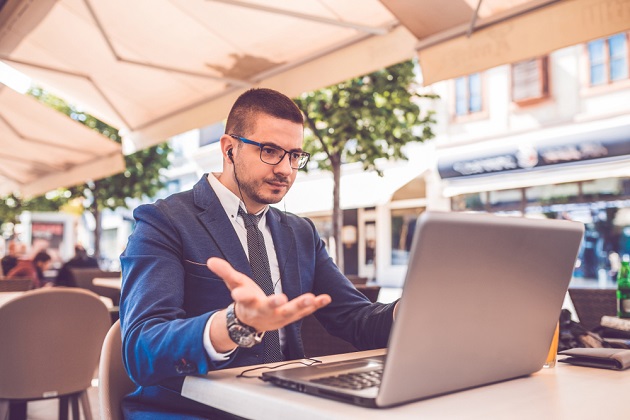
x: 242, y: 334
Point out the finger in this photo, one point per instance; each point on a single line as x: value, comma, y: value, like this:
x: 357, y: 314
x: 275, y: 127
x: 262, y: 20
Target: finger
x: 277, y: 300
x: 230, y: 276
x: 303, y: 305
x: 245, y: 295
x: 309, y: 300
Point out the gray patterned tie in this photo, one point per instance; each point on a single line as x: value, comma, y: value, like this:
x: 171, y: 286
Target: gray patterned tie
x: 259, y: 262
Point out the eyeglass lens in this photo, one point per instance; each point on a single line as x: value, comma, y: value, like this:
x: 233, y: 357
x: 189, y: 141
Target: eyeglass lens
x: 273, y: 156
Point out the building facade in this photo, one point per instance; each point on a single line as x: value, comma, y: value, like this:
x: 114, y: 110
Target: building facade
x: 547, y: 137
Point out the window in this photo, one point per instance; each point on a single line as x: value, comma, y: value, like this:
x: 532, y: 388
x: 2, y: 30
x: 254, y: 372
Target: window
x: 468, y: 94
x: 608, y: 59
x: 403, y: 226
x: 530, y: 79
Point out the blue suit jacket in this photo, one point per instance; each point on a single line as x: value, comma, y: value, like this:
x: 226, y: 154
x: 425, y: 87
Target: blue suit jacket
x: 168, y: 292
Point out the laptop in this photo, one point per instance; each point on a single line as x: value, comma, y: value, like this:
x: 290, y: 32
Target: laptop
x: 480, y: 303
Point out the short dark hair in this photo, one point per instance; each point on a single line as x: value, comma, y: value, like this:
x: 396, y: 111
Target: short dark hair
x: 41, y: 256
x: 241, y: 119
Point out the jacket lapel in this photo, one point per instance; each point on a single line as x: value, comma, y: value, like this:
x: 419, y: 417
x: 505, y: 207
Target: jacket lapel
x: 213, y: 217
x: 284, y: 242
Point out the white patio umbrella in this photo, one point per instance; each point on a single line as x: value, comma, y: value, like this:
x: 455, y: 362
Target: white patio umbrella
x: 42, y: 149
x: 161, y: 67
x: 157, y: 68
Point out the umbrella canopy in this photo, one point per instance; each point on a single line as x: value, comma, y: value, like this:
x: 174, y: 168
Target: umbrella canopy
x: 42, y: 149
x: 157, y: 68
x: 161, y: 67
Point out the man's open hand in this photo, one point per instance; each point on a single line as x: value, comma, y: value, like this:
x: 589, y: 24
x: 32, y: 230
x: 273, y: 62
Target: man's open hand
x: 254, y: 308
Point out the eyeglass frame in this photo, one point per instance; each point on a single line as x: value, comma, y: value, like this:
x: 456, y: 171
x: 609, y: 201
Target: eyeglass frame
x: 273, y: 146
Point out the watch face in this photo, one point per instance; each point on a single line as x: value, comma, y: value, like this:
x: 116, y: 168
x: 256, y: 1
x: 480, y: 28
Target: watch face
x: 242, y: 336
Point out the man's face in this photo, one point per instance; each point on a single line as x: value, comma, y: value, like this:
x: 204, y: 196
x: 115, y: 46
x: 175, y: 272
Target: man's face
x: 260, y: 183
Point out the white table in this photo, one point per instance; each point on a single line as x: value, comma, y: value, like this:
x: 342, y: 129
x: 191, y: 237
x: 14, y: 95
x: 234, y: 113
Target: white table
x: 563, y: 392
x: 113, y: 283
x: 8, y: 296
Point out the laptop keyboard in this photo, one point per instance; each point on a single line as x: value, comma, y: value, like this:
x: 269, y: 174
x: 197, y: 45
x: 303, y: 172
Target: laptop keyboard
x: 355, y: 381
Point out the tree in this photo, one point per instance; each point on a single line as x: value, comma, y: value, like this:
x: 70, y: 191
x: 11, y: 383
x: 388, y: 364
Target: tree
x: 142, y: 177
x: 362, y: 120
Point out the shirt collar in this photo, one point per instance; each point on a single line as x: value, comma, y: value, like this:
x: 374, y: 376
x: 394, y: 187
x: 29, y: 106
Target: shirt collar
x: 228, y: 199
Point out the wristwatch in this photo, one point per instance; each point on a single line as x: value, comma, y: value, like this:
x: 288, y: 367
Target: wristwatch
x: 242, y: 334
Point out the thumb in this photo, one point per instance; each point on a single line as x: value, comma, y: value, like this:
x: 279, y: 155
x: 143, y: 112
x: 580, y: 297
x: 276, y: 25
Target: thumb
x: 230, y: 276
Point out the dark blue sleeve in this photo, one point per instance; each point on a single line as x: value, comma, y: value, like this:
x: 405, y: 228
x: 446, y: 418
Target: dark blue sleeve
x: 160, y: 339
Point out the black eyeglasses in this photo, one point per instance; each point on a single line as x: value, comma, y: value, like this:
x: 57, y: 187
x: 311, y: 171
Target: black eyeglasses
x: 273, y: 155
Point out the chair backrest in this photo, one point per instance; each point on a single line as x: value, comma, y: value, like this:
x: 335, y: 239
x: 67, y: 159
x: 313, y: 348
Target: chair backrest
x: 82, y: 277
x: 370, y: 292
x: 318, y: 342
x: 15, y: 285
x: 50, y: 342
x: 114, y: 383
x: 591, y: 304
x: 355, y: 279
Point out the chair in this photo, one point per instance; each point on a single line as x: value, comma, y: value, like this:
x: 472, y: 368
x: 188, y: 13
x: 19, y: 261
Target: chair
x: 356, y: 280
x: 591, y: 304
x: 15, y: 285
x: 370, y: 292
x: 318, y: 342
x: 114, y: 383
x: 83, y: 278
x: 51, y: 339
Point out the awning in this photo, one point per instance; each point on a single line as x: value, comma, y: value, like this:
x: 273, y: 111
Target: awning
x: 157, y: 68
x: 312, y: 193
x: 460, y: 37
x: 42, y: 149
x: 568, y: 153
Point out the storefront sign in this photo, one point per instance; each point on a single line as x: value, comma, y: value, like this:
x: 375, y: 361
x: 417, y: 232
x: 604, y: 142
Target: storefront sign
x: 608, y: 143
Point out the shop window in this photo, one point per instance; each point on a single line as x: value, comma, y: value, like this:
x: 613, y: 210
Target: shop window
x: 468, y: 98
x: 505, y: 200
x: 553, y: 194
x: 469, y: 202
x: 530, y: 80
x: 403, y: 226
x: 608, y: 59
x: 602, y: 189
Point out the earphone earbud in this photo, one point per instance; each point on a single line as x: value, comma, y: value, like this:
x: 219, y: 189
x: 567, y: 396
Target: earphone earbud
x: 229, y: 154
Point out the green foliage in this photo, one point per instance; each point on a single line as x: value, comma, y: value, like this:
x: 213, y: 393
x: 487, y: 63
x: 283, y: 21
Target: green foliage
x: 142, y: 177
x: 362, y: 120
x: 12, y: 206
x: 365, y: 118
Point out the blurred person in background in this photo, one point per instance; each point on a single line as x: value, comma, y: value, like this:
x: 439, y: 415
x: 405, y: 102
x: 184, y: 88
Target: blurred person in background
x: 32, y: 269
x: 11, y: 259
x: 81, y: 259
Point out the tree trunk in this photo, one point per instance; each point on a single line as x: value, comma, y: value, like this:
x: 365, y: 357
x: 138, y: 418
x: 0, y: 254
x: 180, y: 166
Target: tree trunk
x: 97, y: 233
x: 337, y: 218
x: 97, y: 227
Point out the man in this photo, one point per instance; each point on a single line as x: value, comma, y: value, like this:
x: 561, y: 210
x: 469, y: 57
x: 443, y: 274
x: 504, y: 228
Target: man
x: 192, y: 302
x: 10, y: 260
x: 33, y: 270
x: 81, y: 259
